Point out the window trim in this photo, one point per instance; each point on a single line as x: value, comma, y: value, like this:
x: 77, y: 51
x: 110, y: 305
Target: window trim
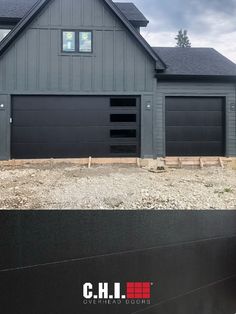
x: 77, y: 42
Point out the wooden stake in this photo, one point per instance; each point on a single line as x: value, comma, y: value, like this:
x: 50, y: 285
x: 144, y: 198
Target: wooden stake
x: 90, y: 162
x: 138, y: 162
x: 201, y: 163
x: 221, y: 163
x: 180, y: 163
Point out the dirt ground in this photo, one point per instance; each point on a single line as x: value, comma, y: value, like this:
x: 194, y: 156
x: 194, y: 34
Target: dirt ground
x: 115, y: 187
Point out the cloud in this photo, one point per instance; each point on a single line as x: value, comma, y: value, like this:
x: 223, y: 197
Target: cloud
x: 210, y: 23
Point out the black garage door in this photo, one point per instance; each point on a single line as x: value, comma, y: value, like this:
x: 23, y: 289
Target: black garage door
x: 195, y: 126
x: 72, y: 126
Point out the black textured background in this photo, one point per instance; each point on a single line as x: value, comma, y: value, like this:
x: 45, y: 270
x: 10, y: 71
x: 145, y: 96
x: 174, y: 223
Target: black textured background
x: 45, y: 257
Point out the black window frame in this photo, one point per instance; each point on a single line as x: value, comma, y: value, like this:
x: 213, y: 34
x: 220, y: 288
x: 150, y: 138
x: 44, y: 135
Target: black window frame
x: 77, y: 41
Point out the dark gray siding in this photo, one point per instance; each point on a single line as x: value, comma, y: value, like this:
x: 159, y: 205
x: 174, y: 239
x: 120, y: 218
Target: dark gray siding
x: 118, y: 65
x: 194, y: 89
x: 4, y: 127
x: 35, y: 62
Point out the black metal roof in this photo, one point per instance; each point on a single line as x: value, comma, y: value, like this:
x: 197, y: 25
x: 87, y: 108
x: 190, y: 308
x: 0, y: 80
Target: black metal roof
x: 16, y: 9
x: 195, y: 62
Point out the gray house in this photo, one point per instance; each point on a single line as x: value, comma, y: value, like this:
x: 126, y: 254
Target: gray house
x: 77, y: 79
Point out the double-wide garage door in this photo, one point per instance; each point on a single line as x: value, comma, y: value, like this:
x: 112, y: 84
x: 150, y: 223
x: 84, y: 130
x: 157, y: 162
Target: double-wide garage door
x: 72, y: 126
x: 195, y: 126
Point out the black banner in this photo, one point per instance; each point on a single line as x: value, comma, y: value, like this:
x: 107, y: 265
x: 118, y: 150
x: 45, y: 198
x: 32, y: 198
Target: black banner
x: 118, y: 262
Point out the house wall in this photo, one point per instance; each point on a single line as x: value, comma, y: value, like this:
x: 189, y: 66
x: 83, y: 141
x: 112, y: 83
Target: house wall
x: 34, y: 64
x: 4, y: 126
x: 164, y: 89
x: 118, y: 65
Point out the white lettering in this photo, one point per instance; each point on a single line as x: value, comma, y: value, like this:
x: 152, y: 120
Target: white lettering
x: 103, y: 290
x: 87, y: 290
x: 117, y: 290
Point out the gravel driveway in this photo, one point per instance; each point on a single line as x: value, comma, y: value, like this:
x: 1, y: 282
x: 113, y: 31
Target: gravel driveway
x: 115, y: 187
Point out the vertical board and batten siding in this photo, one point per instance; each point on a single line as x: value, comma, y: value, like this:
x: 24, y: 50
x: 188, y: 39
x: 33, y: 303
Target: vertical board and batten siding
x: 35, y: 64
x: 4, y: 129
x: 165, y: 89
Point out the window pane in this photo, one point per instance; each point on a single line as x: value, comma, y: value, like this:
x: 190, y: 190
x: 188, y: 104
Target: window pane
x: 69, y: 41
x: 85, y: 41
x: 123, y: 117
x: 123, y: 102
x: 123, y: 149
x: 124, y: 133
x: 3, y: 33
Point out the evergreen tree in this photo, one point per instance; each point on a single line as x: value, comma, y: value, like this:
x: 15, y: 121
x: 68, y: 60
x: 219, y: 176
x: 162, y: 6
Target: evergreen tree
x: 183, y: 39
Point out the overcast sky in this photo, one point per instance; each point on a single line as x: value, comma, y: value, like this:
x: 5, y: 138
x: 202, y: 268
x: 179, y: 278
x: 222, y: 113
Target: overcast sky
x: 210, y: 23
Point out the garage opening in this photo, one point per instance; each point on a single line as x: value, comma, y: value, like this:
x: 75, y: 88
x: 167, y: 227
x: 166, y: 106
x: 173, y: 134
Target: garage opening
x: 75, y: 127
x: 195, y: 126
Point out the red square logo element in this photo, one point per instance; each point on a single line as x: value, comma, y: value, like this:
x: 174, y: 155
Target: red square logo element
x: 146, y: 290
x: 146, y: 285
x: 138, y: 285
x: 138, y: 290
x: 130, y: 296
x: 130, y: 290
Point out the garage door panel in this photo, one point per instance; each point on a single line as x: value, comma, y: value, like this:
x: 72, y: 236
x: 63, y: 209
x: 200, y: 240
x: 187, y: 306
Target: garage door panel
x: 60, y: 118
x: 57, y: 150
x: 195, y: 126
x: 63, y: 134
x: 197, y: 104
x: 73, y: 127
x: 198, y: 149
x: 59, y: 134
x: 194, y: 133
x: 194, y: 118
x: 52, y: 103
x: 71, y: 150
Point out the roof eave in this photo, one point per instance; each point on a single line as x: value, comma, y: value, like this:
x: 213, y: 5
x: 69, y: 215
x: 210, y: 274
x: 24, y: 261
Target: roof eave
x: 139, y: 23
x: 181, y: 77
x: 9, y: 20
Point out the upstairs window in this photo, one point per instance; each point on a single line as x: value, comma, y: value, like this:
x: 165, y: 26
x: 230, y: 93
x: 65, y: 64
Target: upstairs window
x: 3, y: 33
x: 77, y: 41
x: 68, y: 41
x: 85, y: 42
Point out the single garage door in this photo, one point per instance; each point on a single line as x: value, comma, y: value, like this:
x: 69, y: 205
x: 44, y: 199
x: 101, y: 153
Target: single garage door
x: 195, y: 126
x: 71, y: 127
